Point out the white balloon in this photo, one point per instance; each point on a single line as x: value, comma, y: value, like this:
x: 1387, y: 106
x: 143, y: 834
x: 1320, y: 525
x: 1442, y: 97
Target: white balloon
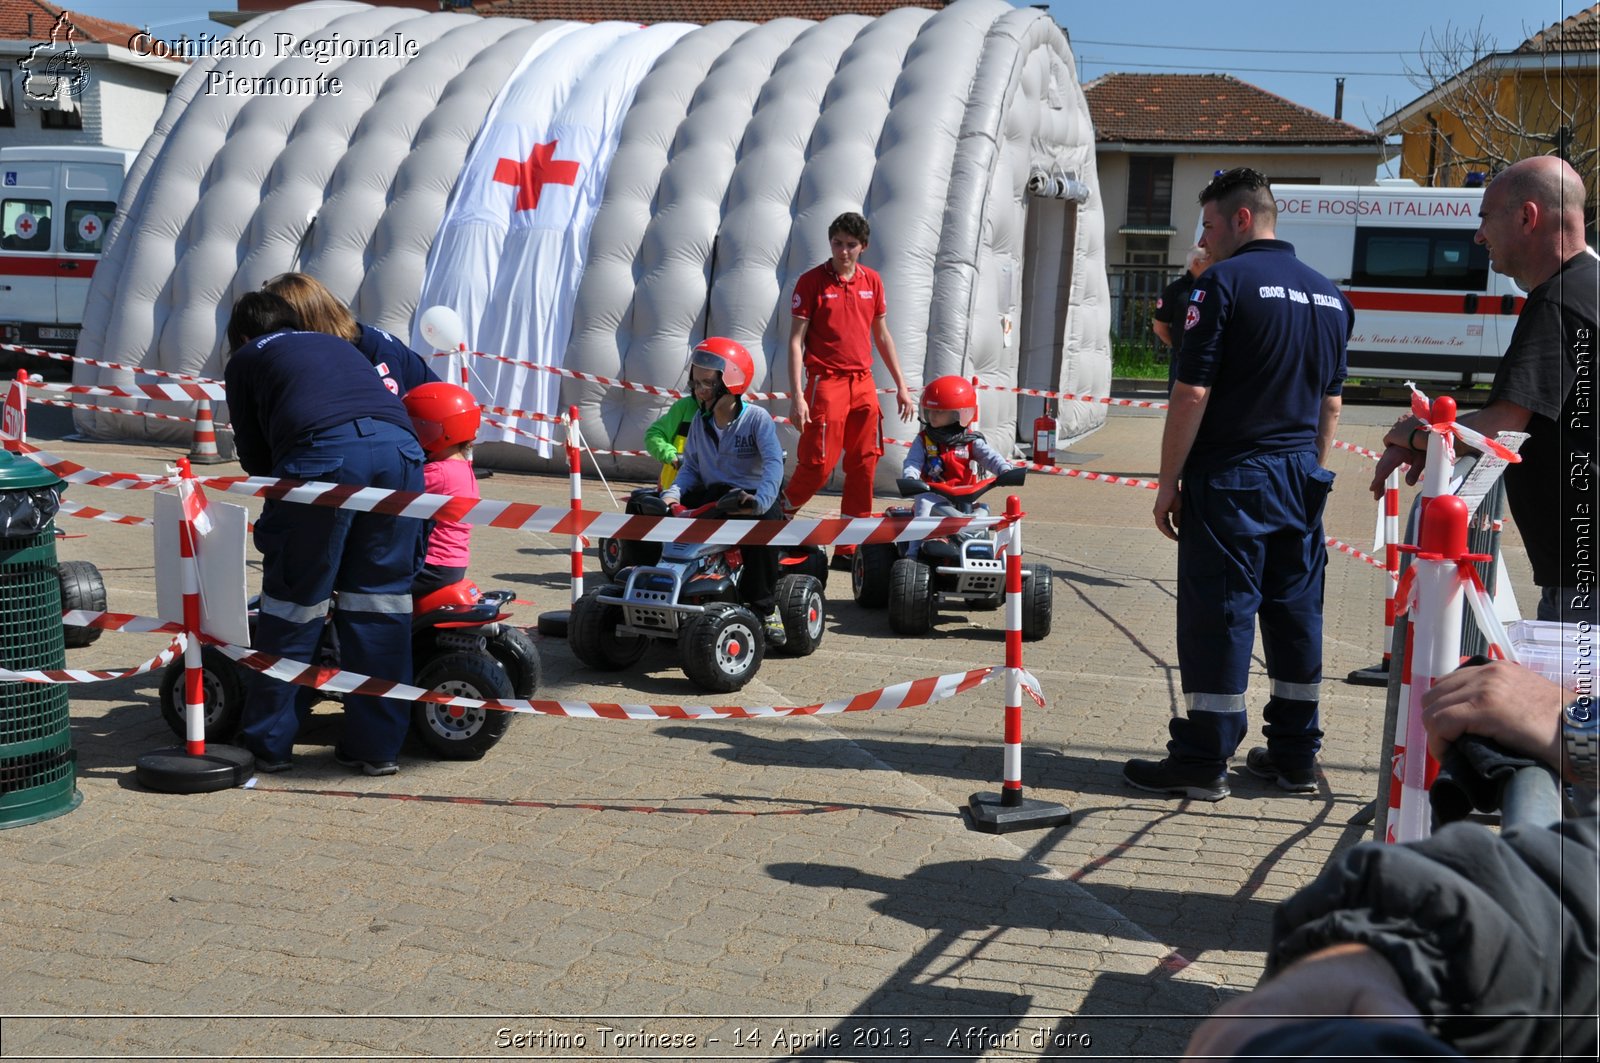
x: 442, y: 328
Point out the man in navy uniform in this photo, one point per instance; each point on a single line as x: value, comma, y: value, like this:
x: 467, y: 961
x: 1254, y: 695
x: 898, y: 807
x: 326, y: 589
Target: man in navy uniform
x: 1260, y: 373
x: 307, y: 406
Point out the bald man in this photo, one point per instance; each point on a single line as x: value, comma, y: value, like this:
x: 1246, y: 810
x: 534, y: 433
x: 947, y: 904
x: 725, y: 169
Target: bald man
x: 1531, y: 222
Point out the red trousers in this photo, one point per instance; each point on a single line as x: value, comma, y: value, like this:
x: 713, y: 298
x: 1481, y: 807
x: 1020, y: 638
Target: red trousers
x: 845, y: 419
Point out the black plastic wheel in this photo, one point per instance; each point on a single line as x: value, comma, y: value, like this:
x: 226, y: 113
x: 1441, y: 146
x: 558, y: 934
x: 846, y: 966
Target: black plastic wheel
x: 910, y: 597
x: 517, y: 654
x: 222, y: 687
x: 722, y: 648
x: 869, y: 574
x: 81, y: 588
x: 1038, y: 593
x: 592, y: 633
x: 804, y: 613
x: 618, y: 554
x: 452, y: 731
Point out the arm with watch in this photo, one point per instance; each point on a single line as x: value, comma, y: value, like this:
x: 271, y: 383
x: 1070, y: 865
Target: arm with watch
x: 1521, y: 710
x: 1406, y: 443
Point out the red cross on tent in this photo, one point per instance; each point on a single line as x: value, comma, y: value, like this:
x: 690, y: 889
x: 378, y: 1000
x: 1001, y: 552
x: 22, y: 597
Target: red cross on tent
x: 542, y: 168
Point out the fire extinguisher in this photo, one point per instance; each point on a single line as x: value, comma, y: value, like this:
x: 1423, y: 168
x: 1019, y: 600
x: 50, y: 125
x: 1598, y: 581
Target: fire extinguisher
x: 1044, y: 436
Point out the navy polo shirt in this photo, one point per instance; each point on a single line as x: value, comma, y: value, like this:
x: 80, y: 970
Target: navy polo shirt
x: 285, y: 385
x: 1267, y: 334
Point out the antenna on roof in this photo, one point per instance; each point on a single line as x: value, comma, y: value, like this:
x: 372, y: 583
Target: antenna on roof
x: 1338, y: 97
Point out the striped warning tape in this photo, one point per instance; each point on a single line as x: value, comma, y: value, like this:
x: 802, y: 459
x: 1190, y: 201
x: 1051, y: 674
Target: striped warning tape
x: 911, y: 694
x: 65, y: 404
x: 527, y: 516
x: 85, y: 675
x: 1084, y: 474
x: 129, y: 622
x: 1346, y: 548
x: 79, y: 359
x: 182, y: 391
x: 74, y: 509
x: 1363, y: 451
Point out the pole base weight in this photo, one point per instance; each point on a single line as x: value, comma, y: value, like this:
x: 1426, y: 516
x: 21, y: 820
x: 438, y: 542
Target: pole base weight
x: 554, y: 623
x: 177, y: 771
x: 986, y: 812
x: 1376, y: 675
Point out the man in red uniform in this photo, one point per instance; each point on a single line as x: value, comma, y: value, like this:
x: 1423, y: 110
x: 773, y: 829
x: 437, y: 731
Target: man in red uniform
x: 839, y: 312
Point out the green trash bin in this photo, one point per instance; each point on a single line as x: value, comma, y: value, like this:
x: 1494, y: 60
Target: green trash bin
x: 38, y: 766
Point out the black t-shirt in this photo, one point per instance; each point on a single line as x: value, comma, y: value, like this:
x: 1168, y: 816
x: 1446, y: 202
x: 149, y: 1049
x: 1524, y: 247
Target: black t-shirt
x: 1266, y: 333
x: 1549, y: 369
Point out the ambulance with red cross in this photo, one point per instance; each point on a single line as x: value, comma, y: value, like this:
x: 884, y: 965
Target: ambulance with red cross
x: 1427, y: 304
x: 56, y: 204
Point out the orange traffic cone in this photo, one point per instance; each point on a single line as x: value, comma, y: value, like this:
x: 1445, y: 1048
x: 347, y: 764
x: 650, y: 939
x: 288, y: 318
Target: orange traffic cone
x: 203, y: 447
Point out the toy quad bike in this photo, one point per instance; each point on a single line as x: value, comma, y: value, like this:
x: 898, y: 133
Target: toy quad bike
x: 459, y: 646
x: 691, y: 596
x: 966, y: 567
x: 618, y: 554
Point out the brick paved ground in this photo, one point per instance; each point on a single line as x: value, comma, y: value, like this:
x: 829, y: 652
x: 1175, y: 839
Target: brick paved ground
x: 811, y: 879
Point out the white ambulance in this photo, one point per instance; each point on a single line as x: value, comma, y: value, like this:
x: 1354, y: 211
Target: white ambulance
x: 56, y: 204
x: 1427, y: 304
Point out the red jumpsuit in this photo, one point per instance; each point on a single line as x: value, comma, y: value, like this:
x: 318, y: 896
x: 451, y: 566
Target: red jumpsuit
x: 845, y: 418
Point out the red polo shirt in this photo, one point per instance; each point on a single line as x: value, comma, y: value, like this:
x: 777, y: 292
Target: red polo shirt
x: 841, y: 313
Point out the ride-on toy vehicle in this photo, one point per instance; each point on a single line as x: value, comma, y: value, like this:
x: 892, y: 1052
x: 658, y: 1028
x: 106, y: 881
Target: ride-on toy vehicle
x: 460, y: 645
x: 81, y: 588
x: 691, y: 597
x: 968, y: 567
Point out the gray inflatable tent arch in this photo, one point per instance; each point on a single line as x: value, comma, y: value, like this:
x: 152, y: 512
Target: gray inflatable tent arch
x: 962, y: 134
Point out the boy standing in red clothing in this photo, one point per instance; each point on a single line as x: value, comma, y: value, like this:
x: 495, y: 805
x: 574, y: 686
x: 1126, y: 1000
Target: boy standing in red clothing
x: 839, y: 312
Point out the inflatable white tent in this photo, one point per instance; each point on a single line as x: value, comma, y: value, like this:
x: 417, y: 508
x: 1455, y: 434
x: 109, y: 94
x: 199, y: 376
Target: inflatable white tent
x: 598, y: 197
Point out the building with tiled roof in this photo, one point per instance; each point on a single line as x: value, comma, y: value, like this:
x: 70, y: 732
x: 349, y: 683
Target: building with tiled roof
x: 1160, y: 137
x: 81, y: 81
x: 1538, y: 98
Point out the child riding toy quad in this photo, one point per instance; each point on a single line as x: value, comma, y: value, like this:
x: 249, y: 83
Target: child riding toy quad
x: 460, y: 645
x: 691, y: 596
x: 915, y: 578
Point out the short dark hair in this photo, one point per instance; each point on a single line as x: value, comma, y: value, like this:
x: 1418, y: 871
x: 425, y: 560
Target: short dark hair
x: 851, y: 224
x: 256, y: 314
x: 1241, y: 187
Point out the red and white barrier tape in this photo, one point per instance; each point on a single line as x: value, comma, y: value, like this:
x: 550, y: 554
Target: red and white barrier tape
x: 73, y: 509
x: 129, y: 622
x: 1363, y: 451
x: 77, y: 359
x: 185, y: 391
x: 916, y: 692
x: 1346, y: 548
x: 1083, y: 474
x: 85, y: 675
x: 72, y: 472
x: 111, y: 409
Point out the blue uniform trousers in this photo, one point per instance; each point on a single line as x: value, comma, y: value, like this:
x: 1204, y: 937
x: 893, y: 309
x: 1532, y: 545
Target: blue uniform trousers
x: 370, y: 559
x: 1250, y: 544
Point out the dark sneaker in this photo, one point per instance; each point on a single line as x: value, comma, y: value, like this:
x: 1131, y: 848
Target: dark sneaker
x: 369, y: 767
x: 1259, y: 762
x: 1161, y: 777
x: 272, y: 767
x: 773, y: 628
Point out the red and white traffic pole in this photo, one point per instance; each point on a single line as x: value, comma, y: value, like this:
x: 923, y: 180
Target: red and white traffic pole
x: 194, y: 692
x: 14, y: 417
x: 575, y: 471
x: 1391, y: 559
x: 1009, y: 810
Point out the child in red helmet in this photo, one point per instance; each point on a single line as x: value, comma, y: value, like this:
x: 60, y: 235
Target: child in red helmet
x: 446, y: 420
x: 947, y: 450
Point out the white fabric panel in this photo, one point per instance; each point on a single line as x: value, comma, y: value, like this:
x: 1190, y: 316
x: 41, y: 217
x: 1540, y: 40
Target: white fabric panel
x: 604, y: 327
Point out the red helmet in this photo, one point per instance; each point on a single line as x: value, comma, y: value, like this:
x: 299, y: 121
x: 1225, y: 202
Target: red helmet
x: 442, y: 415
x: 728, y: 358
x: 952, y: 393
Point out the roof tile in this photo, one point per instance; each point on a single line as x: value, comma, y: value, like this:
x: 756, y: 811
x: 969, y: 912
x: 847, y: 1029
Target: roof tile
x: 31, y: 20
x: 1215, y: 108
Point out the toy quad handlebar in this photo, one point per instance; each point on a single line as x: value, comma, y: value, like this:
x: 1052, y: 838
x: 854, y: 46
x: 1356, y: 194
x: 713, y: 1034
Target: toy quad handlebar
x: 910, y: 486
x: 653, y: 505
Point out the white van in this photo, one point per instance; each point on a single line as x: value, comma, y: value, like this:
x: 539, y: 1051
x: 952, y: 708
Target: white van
x: 55, y: 207
x: 1427, y: 304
